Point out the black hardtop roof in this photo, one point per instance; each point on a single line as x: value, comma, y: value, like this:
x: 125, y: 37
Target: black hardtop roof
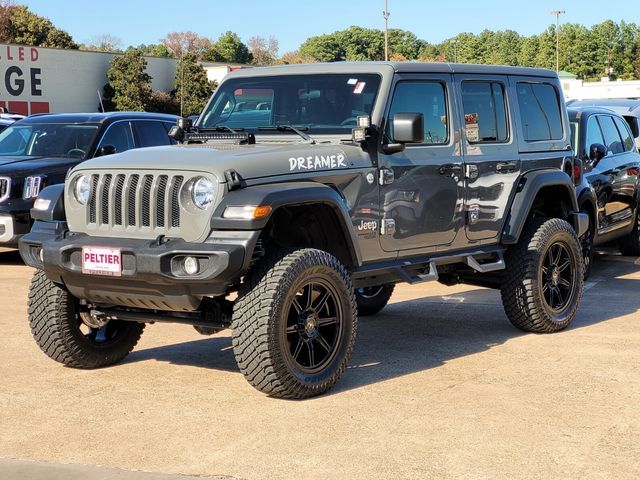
x: 96, y: 117
x: 399, y: 67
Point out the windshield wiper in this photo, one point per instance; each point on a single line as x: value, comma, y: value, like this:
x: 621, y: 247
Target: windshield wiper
x: 290, y: 128
x: 221, y: 128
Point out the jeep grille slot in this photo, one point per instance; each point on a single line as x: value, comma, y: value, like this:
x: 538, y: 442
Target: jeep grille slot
x: 4, y: 188
x: 146, y: 202
x: 175, y: 201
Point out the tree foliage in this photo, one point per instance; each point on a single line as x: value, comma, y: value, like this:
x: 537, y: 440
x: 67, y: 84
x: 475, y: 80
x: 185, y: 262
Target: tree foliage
x: 129, y: 81
x: 19, y: 25
x: 181, y: 43
x: 103, y: 43
x: 232, y: 50
x: 264, y: 52
x: 192, y: 82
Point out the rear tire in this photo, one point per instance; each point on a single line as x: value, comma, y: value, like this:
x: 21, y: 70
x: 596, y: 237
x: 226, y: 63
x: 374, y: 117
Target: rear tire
x: 544, y: 277
x: 371, y: 300
x: 60, y: 333
x: 295, y: 323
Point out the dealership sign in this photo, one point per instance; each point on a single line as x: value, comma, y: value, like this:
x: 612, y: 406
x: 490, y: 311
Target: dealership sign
x: 21, y: 82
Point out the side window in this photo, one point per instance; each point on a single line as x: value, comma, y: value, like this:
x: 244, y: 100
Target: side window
x: 623, y: 128
x: 119, y: 135
x: 539, y: 111
x: 427, y: 98
x: 485, y: 112
x: 611, y: 136
x: 594, y: 134
x: 150, y: 133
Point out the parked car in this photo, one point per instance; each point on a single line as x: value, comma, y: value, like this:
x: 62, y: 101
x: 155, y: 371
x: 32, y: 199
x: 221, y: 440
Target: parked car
x: 359, y: 175
x: 39, y: 150
x: 629, y: 108
x: 8, y: 118
x: 608, y: 190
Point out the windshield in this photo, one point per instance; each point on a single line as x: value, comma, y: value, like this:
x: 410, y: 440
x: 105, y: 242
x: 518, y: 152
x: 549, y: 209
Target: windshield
x: 47, y: 140
x: 324, y: 103
x: 574, y: 137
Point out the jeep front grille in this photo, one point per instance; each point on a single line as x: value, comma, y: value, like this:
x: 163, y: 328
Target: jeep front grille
x: 147, y: 201
x: 5, y: 183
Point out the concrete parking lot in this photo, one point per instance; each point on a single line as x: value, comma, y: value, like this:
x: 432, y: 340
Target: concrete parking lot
x: 440, y: 386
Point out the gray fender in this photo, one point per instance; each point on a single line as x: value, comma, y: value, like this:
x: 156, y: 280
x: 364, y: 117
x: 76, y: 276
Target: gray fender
x: 55, y: 210
x: 528, y: 188
x: 278, y: 195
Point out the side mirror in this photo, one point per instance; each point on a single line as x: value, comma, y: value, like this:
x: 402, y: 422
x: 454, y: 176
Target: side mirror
x: 597, y: 152
x: 105, y: 150
x: 407, y: 128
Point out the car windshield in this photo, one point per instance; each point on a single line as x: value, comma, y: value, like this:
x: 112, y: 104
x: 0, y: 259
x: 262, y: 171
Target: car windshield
x: 323, y: 103
x: 47, y: 139
x: 574, y: 137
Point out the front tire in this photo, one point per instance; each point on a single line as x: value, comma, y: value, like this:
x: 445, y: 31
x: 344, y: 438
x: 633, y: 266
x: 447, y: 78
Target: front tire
x: 295, y: 324
x: 371, y: 300
x: 630, y: 244
x: 60, y: 333
x: 543, y: 280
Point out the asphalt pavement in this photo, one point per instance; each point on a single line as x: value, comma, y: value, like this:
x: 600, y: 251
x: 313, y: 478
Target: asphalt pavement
x: 440, y: 386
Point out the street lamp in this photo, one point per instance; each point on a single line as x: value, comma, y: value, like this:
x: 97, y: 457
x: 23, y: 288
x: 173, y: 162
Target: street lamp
x: 386, y: 14
x: 557, y: 13
x: 455, y: 51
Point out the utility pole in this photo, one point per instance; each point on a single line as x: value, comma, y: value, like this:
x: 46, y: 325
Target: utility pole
x: 386, y: 14
x: 557, y: 13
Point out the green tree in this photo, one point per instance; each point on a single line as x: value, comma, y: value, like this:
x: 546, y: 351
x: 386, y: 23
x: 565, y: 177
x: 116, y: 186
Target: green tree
x: 322, y: 48
x: 192, y: 82
x: 155, y: 50
x: 232, y: 50
x: 21, y: 26
x: 129, y: 80
x: 405, y: 43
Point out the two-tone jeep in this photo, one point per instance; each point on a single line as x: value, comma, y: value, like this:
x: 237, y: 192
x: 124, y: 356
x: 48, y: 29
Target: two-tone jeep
x: 298, y: 199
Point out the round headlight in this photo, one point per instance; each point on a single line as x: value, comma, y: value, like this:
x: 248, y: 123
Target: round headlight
x: 82, y: 189
x: 203, y: 192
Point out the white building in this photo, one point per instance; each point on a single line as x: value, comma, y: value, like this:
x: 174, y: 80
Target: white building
x: 576, y: 89
x: 40, y: 80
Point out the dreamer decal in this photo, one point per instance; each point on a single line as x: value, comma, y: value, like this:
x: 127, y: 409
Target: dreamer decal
x: 317, y: 162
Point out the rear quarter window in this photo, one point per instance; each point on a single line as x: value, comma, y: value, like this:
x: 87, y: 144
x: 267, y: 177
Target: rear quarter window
x: 540, y: 112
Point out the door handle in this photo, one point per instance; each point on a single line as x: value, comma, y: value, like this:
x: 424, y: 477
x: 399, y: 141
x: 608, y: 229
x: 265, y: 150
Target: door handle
x: 450, y: 169
x: 505, y: 167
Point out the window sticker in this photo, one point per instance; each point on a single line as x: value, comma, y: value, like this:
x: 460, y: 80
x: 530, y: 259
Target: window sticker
x: 359, y: 88
x: 471, y: 127
x: 352, y: 81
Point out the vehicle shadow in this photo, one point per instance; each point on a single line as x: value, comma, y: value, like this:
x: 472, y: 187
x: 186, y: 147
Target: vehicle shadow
x: 10, y: 257
x: 424, y: 333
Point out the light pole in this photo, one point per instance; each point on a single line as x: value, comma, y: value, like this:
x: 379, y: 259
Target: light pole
x: 386, y: 14
x: 455, y: 51
x: 557, y: 13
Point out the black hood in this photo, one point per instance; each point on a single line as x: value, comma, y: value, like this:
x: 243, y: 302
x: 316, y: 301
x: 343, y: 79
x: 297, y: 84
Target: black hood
x: 17, y: 165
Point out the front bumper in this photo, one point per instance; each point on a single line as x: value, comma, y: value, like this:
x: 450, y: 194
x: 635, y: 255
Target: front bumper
x: 152, y: 276
x: 11, y: 229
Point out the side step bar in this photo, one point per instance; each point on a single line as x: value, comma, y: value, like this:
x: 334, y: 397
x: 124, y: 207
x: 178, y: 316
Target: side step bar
x: 423, y: 269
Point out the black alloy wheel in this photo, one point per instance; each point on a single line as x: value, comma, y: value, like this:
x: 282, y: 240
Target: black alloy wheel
x: 314, y: 322
x: 558, y: 277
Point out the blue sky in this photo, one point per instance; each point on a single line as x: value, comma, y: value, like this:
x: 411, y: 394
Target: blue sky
x: 291, y: 22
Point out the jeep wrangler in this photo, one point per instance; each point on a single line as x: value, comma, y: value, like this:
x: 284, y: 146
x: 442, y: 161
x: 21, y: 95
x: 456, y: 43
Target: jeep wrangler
x: 300, y: 197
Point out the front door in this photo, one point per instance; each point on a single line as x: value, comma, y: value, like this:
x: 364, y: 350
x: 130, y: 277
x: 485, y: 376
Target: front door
x: 424, y: 201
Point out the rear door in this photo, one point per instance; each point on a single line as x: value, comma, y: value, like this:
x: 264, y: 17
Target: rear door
x: 492, y: 164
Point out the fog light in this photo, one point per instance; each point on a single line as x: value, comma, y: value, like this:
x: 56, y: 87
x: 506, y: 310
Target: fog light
x: 190, y: 265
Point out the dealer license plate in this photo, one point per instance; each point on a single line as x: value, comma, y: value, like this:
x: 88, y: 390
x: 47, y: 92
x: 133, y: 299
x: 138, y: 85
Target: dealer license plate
x: 102, y: 261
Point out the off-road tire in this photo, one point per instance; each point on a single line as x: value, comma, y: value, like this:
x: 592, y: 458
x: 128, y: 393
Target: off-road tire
x: 630, y: 244
x: 269, y: 300
x: 525, y: 282
x: 371, y: 300
x: 56, y: 327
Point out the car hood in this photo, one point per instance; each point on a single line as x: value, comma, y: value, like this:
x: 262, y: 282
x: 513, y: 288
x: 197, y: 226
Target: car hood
x: 249, y: 161
x: 31, y: 164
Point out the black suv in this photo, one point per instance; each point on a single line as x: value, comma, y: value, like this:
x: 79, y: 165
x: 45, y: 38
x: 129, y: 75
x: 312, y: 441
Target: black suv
x: 305, y: 192
x: 39, y: 150
x: 608, y: 190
